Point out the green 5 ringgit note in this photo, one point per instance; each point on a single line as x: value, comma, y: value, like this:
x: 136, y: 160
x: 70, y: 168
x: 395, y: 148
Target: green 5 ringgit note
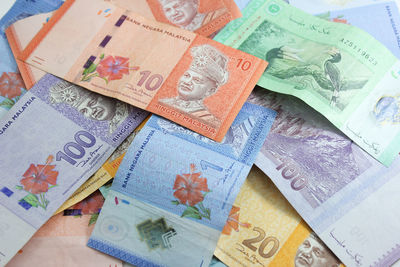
x: 338, y: 69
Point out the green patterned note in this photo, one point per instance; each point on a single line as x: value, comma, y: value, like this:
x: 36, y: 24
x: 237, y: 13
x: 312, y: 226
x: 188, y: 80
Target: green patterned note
x: 339, y: 70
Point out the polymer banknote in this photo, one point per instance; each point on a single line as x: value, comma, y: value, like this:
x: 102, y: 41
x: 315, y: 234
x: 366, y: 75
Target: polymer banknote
x: 195, y: 78
x: 342, y: 193
x: 263, y: 229
x: 53, y: 139
x: 339, y: 70
x: 174, y: 190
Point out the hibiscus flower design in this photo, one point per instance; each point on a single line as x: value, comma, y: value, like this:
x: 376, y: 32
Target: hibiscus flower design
x: 109, y: 68
x: 11, y: 84
x: 90, y: 205
x: 233, y: 222
x: 190, y: 190
x: 37, y: 180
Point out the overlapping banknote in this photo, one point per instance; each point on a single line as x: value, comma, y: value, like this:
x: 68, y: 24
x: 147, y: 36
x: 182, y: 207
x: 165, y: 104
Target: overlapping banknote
x: 343, y: 194
x: 264, y: 230
x: 209, y: 16
x: 11, y: 84
x: 166, y: 70
x: 61, y: 241
x: 174, y: 190
x: 53, y: 139
x: 319, y: 6
x: 338, y: 69
x: 106, y: 172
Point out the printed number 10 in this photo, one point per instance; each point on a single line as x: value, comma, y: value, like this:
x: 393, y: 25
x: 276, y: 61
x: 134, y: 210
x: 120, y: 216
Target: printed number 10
x: 153, y: 82
x: 243, y: 64
x: 76, y: 150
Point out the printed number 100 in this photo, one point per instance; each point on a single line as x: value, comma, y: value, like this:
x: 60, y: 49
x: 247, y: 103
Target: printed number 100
x: 76, y: 150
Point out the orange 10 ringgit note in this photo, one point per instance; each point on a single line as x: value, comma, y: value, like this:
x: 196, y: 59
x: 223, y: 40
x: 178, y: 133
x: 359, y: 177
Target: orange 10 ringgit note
x: 180, y: 75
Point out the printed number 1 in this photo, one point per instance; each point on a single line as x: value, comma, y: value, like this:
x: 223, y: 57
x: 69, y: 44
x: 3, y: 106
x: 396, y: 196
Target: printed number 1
x: 205, y: 165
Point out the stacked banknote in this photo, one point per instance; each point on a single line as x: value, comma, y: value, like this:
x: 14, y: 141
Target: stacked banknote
x: 185, y: 192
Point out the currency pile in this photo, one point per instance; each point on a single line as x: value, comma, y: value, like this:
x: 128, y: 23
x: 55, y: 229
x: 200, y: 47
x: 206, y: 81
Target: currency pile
x: 199, y: 133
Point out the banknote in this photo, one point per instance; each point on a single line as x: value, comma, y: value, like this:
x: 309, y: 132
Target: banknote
x: 21, y: 33
x: 174, y: 189
x: 11, y: 83
x: 61, y: 241
x: 195, y: 78
x: 242, y: 3
x: 319, y: 6
x: 264, y: 230
x: 201, y: 16
x: 387, y: 18
x: 333, y: 184
x: 53, y: 139
x: 338, y: 69
x: 104, y: 174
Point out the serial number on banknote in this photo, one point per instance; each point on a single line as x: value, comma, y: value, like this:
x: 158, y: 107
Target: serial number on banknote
x: 359, y: 50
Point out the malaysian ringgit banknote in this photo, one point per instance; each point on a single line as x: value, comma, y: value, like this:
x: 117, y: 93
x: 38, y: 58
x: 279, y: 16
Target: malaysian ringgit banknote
x: 343, y: 194
x: 57, y: 136
x: 61, y: 241
x: 177, y: 74
x: 204, y: 17
x: 384, y: 27
x: 104, y: 174
x: 22, y: 32
x: 174, y: 190
x: 264, y: 230
x: 319, y: 6
x: 338, y: 69
x: 11, y: 84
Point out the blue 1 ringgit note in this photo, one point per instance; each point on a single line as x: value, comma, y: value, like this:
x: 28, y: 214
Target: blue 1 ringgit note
x: 53, y: 139
x: 174, y: 190
x: 11, y: 83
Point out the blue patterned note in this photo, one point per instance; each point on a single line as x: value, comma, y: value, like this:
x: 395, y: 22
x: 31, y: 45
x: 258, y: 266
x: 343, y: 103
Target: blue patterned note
x: 11, y: 83
x: 53, y: 139
x: 174, y: 190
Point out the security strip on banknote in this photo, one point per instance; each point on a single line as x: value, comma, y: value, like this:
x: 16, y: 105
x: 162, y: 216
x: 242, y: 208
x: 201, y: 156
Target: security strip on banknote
x: 177, y: 74
x: 174, y: 190
x: 339, y: 70
x: 343, y: 194
x: 66, y: 133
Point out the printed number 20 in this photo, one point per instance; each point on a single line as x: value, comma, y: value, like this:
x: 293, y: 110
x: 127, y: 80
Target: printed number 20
x: 76, y: 150
x: 270, y: 239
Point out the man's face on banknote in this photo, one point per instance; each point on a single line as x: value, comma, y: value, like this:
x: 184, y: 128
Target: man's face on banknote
x: 312, y: 253
x: 194, y: 86
x: 180, y: 12
x: 97, y: 107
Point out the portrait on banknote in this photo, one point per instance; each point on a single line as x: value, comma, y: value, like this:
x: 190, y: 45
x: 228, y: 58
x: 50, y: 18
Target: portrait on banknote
x: 185, y: 14
x: 92, y: 105
x: 327, y: 70
x: 206, y: 74
x: 314, y: 253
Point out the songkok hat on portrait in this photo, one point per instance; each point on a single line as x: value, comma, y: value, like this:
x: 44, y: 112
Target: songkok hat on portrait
x: 164, y: 2
x: 211, y: 63
x: 65, y: 92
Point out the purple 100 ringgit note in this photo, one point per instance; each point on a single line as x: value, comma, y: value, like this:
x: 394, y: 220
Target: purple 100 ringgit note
x: 334, y: 185
x: 53, y: 139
